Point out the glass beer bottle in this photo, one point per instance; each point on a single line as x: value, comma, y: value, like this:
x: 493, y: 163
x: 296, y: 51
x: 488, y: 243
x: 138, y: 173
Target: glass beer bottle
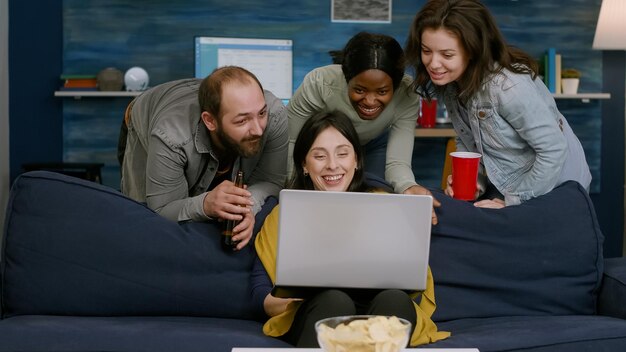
x: 227, y: 231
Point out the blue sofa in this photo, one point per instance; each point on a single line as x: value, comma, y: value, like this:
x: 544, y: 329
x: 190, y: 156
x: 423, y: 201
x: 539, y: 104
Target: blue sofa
x: 84, y: 268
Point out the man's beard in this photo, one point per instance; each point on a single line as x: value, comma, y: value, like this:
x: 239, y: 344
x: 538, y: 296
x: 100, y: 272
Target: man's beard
x: 248, y: 147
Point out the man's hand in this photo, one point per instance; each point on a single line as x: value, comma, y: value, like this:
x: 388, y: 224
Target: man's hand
x: 228, y: 202
x: 419, y: 190
x: 243, y: 231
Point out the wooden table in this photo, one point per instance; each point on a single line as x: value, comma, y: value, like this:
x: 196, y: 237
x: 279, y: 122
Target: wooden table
x: 440, y: 130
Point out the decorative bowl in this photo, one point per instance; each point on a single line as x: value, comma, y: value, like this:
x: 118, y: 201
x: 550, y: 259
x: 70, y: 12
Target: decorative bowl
x: 363, y: 333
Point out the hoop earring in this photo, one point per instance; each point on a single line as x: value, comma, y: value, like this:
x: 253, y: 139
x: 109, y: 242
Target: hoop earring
x: 305, y: 173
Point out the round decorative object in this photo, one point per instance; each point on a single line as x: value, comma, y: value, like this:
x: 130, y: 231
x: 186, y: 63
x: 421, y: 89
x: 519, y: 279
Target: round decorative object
x: 136, y: 79
x: 110, y: 79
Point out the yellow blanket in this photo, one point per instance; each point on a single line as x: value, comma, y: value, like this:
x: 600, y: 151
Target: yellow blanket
x: 266, y: 242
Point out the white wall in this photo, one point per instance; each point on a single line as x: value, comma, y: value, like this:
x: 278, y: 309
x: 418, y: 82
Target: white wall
x: 4, y: 109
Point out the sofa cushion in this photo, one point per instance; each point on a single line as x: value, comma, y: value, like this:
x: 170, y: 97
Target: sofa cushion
x: 139, y: 334
x: 542, y: 257
x: 613, y: 289
x: 536, y: 333
x: 74, y: 247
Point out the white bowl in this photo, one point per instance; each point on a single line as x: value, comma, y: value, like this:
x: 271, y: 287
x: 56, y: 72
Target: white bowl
x: 363, y: 333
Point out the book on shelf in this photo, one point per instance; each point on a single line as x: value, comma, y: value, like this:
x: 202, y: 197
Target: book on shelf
x: 79, y: 89
x: 551, y: 69
x: 544, y: 63
x: 557, y: 73
x: 552, y: 66
x: 79, y: 81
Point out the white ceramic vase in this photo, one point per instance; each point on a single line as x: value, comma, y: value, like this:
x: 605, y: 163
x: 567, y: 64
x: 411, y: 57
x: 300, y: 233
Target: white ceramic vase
x: 570, y: 85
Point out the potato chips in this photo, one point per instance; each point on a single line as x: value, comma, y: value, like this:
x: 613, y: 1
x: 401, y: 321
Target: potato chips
x: 369, y: 334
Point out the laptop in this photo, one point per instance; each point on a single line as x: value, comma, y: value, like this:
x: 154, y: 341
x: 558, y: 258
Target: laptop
x: 351, y: 240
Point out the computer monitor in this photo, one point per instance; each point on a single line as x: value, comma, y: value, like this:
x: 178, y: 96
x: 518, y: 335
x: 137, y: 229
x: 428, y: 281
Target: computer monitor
x: 269, y: 59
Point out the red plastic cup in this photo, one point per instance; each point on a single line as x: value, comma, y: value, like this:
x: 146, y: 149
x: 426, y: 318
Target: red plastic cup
x: 464, y: 174
x: 428, y: 113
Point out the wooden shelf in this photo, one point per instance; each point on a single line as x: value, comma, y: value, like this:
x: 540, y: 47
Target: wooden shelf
x: 585, y: 97
x: 446, y: 130
x: 440, y: 130
x: 77, y: 94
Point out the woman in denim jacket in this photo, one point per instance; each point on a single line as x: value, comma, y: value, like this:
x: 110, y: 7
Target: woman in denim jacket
x: 498, y: 106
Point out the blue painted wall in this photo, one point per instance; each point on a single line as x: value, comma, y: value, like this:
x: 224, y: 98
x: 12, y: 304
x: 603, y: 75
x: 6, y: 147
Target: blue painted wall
x: 85, y: 36
x: 35, y: 62
x: 125, y: 33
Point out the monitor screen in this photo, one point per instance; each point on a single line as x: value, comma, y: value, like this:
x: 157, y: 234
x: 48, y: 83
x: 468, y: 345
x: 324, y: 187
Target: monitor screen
x: 269, y: 59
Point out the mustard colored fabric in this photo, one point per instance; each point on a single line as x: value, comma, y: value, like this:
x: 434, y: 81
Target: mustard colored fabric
x: 266, y: 243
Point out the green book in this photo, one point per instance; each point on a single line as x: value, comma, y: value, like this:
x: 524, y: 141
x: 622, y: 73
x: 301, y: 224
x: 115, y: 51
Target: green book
x: 64, y: 76
x: 546, y: 70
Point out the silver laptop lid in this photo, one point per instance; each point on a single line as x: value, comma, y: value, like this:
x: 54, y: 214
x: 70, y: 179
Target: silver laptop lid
x: 353, y: 240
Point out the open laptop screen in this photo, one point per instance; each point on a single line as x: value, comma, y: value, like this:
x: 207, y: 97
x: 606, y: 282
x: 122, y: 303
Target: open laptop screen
x: 352, y: 240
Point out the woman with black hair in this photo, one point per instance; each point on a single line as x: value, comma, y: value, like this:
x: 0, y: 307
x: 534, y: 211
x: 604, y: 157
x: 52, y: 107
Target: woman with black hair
x: 372, y: 89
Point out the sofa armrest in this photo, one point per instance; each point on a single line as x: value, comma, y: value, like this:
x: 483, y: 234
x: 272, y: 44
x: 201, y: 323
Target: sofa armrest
x: 613, y: 289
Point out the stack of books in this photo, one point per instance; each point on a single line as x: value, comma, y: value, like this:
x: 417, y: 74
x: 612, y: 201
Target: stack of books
x: 79, y: 82
x: 552, y: 70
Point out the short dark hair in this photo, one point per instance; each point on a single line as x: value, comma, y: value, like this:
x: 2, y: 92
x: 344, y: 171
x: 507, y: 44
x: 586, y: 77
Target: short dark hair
x: 210, y: 92
x: 366, y: 51
x: 472, y: 23
x: 307, y: 136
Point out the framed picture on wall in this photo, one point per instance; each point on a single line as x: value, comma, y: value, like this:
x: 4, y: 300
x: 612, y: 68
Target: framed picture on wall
x: 361, y: 11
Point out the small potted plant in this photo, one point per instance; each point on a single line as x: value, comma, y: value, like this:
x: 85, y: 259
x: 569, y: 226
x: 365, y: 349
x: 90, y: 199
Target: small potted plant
x: 570, y: 78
